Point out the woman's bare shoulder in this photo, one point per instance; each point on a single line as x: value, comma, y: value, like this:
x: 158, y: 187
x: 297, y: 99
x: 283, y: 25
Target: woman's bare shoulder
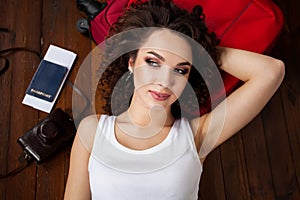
x: 87, y: 129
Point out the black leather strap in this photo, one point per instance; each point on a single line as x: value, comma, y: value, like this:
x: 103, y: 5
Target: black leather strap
x: 5, y: 52
x: 4, y: 61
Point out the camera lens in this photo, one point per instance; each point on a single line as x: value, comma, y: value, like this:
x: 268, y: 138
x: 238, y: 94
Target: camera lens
x: 48, y: 132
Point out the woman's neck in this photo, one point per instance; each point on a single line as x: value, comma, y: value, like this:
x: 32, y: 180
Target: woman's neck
x: 142, y: 122
x: 143, y: 116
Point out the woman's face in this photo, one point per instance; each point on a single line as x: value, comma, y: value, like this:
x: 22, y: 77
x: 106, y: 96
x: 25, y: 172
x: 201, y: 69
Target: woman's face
x: 161, y: 69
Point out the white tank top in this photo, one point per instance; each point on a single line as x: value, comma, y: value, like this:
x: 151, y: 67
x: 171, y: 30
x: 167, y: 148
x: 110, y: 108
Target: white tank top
x: 170, y: 170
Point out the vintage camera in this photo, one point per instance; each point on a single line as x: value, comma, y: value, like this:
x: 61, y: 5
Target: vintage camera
x: 48, y: 136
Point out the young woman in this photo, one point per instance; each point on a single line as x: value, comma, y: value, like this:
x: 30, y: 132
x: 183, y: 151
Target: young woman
x: 150, y: 150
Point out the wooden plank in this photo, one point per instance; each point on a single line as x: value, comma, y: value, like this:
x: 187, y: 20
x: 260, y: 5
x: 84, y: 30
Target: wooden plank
x: 291, y: 102
x: 288, y: 49
x: 257, y: 161
x: 291, y: 14
x: 290, y: 94
x: 51, y: 174
x: 212, y: 184
x: 25, y: 24
x: 282, y: 166
x: 82, y: 46
x: 59, y: 19
x: 234, y: 169
x: 6, y: 41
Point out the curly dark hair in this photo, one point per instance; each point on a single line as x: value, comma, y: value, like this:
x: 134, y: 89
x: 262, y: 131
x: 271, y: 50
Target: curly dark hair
x: 161, y: 14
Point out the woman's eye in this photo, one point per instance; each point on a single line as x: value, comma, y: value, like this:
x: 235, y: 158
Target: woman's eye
x: 152, y: 63
x: 181, y: 71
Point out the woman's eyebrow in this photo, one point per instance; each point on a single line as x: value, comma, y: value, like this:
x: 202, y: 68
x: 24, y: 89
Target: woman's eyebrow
x: 156, y: 55
x: 184, y: 63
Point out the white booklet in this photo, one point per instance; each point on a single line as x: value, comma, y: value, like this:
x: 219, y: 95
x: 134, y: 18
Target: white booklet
x: 49, y: 78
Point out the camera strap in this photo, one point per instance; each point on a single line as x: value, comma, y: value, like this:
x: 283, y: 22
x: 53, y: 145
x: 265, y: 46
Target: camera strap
x: 25, y: 160
x: 4, y: 61
x: 3, y: 56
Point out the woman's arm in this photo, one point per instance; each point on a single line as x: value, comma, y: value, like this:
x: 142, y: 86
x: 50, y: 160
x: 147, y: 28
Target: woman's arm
x: 77, y: 187
x: 262, y: 76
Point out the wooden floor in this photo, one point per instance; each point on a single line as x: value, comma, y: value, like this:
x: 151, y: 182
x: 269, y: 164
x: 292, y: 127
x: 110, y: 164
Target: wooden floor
x: 261, y: 162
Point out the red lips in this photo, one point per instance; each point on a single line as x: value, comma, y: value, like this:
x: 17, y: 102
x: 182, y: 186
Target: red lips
x: 159, y: 96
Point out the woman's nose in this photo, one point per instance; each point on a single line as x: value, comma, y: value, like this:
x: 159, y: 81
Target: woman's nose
x: 165, y: 76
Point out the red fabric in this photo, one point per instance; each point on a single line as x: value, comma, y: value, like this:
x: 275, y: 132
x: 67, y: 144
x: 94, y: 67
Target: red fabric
x: 252, y: 25
x: 102, y: 22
